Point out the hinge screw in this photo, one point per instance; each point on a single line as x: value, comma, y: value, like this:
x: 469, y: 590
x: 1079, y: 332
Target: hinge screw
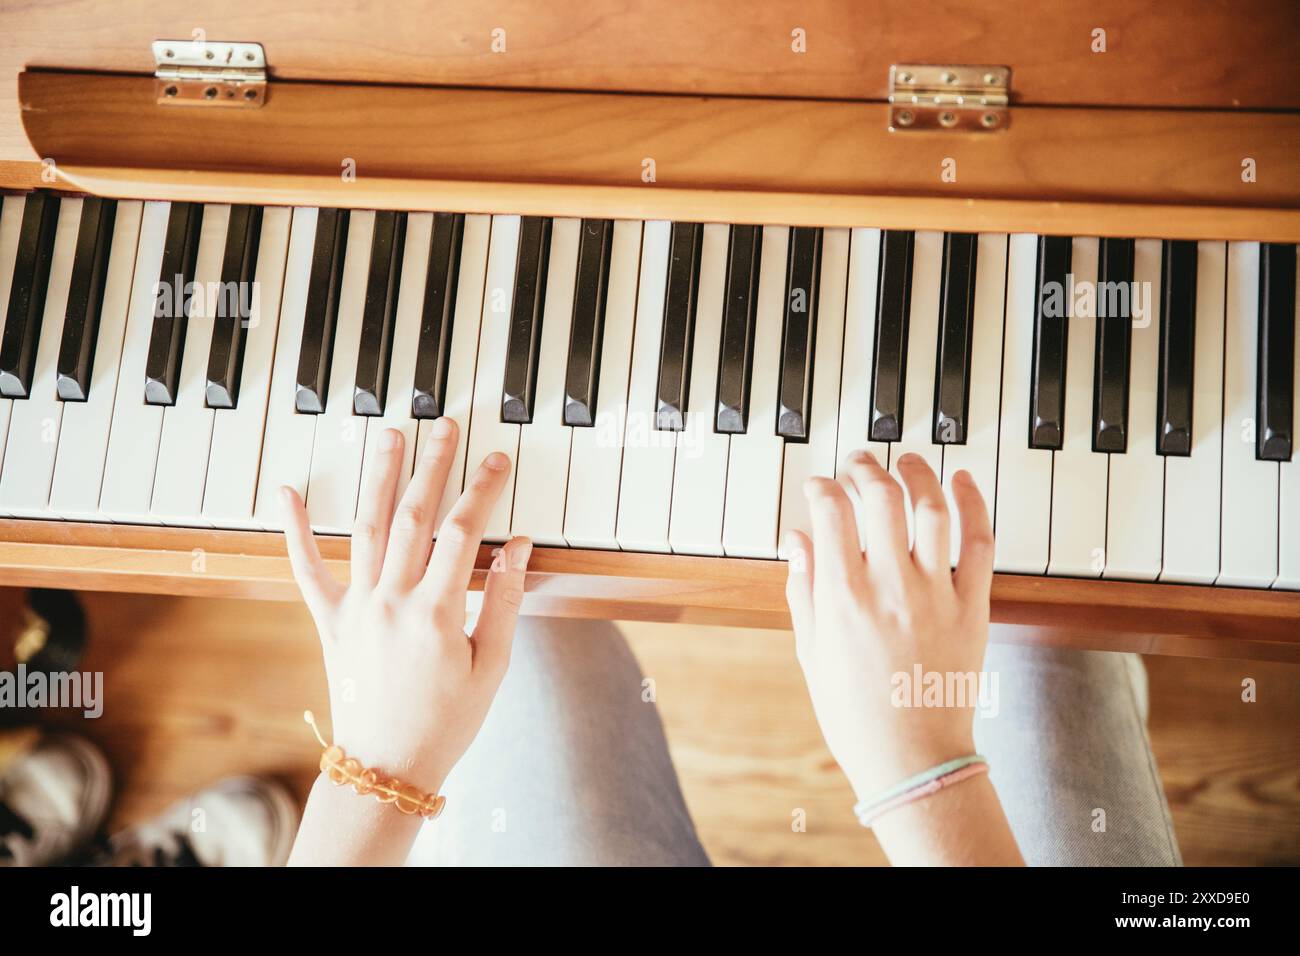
x: 989, y: 120
x: 947, y: 118
x: 905, y: 77
x: 904, y: 118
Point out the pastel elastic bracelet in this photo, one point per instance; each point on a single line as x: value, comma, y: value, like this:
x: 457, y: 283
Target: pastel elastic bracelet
x: 921, y: 785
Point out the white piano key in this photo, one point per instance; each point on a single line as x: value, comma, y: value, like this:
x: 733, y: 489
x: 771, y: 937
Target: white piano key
x: 11, y: 222
x: 1024, y: 490
x: 1134, y: 521
x: 289, y: 436
x: 1288, y: 571
x: 542, y: 475
x: 1079, y: 474
x: 979, y: 455
x: 596, y: 456
x: 340, y: 439
x: 700, y: 470
x: 136, y: 426
x: 464, y: 353
x: 231, y: 491
x: 1192, y: 483
x: 406, y: 344
x: 922, y: 344
x: 186, y: 440
x: 646, y: 488
x: 84, y: 431
x: 753, y: 507
x: 816, y: 456
x: 1249, y: 527
x: 487, y: 432
x: 860, y: 348
x: 34, y: 423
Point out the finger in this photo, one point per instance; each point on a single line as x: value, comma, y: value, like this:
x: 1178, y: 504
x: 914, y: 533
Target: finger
x: 834, y: 532
x: 884, y: 522
x: 974, y: 576
x: 503, y: 593
x: 375, y: 509
x: 452, y: 563
x: 412, y: 534
x: 798, y: 590
x: 932, y: 545
x: 319, y: 589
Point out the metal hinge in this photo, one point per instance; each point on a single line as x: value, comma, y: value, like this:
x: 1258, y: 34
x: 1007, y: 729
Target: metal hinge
x: 970, y: 98
x: 207, y: 73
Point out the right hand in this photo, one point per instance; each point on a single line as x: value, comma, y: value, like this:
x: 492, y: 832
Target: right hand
x: 861, y: 618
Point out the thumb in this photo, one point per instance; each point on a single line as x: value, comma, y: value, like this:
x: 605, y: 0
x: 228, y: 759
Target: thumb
x: 799, y: 591
x: 503, y: 592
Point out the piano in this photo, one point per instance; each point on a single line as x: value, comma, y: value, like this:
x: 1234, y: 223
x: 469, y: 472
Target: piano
x: 671, y: 282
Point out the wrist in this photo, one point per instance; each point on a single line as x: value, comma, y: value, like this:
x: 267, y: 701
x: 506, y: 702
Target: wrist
x: 896, y: 764
x: 420, y: 770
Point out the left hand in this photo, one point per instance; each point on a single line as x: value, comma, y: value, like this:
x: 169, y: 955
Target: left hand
x: 409, y: 689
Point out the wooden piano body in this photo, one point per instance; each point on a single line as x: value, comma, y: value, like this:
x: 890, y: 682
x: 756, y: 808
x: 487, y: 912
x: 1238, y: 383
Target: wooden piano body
x: 770, y: 113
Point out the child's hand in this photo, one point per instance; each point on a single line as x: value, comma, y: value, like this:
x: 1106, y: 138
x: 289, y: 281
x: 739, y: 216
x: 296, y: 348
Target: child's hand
x: 859, y: 620
x: 409, y: 689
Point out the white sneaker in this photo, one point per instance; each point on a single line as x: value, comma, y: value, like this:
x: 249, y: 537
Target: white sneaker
x: 240, y: 821
x: 52, y: 800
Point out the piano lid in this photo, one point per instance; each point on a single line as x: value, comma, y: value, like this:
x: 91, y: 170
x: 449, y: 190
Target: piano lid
x: 1100, y: 53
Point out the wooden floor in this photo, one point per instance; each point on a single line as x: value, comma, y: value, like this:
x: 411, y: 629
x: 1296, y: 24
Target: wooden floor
x: 196, y: 689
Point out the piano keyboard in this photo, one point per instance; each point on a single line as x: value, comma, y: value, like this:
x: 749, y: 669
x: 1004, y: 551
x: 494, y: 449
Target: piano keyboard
x: 662, y: 387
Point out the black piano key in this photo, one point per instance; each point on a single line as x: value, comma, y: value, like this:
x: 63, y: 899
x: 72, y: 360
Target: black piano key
x: 687, y: 243
x: 27, y: 294
x: 956, y: 338
x: 322, y: 311
x: 429, y: 396
x: 739, y: 317
x: 893, y: 311
x: 378, y: 313
x: 519, y: 389
x: 85, y: 298
x: 1177, y: 348
x: 1114, y: 346
x: 1275, y: 379
x: 226, y: 354
x: 172, y: 308
x: 1051, y: 327
x: 803, y: 271
x: 587, y: 330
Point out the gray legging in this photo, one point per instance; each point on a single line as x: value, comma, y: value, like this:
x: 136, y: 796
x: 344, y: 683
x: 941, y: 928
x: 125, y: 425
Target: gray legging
x: 571, y: 767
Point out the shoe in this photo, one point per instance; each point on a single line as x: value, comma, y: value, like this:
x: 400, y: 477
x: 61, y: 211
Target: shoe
x: 240, y: 821
x: 53, y: 798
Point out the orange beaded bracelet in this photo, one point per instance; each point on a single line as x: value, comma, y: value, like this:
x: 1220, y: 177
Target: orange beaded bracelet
x: 341, y: 769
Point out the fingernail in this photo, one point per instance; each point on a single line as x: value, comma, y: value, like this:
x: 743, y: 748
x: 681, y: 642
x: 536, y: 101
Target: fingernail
x: 440, y: 428
x: 910, y: 458
x: 286, y: 497
x: 497, y: 461
x: 389, y: 439
x: 523, y: 551
x: 964, y: 477
x: 864, y: 457
x: 797, y: 562
x: 812, y: 487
